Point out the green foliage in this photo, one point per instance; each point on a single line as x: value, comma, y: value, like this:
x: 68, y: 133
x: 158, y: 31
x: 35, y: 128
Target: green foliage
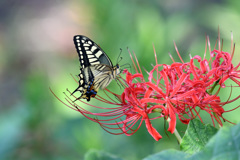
x: 225, y: 144
x: 196, y: 136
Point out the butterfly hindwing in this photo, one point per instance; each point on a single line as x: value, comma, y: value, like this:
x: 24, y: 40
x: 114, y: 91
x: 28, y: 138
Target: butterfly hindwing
x: 82, y: 81
x: 102, y: 75
x: 86, y: 84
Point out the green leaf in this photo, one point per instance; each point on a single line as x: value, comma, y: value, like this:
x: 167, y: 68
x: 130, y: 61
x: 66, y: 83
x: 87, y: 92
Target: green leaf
x: 99, y: 155
x: 224, y: 145
x: 170, y: 154
x: 196, y: 136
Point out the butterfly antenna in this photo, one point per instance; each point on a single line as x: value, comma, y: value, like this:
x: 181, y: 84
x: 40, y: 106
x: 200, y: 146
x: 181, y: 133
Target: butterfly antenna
x: 119, y: 58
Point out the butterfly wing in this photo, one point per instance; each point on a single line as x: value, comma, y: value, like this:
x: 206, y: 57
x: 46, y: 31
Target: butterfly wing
x: 86, y: 85
x: 96, y: 67
x: 89, y: 52
x: 103, y: 75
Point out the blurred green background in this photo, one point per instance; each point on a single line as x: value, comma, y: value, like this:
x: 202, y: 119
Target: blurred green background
x: 37, y: 52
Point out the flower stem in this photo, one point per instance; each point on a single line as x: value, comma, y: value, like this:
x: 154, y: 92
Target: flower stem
x: 214, y: 85
x: 179, y: 139
x: 178, y: 136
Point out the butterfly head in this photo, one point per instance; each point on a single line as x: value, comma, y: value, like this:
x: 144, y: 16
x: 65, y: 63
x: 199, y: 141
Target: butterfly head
x: 116, y: 70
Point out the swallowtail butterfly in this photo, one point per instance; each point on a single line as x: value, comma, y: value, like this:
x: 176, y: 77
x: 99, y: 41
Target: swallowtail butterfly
x: 96, y: 69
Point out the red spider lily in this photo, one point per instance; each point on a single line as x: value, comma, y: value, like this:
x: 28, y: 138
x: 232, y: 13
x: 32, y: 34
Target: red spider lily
x: 180, y: 90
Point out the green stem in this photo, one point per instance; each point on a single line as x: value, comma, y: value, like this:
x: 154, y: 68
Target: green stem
x: 179, y: 139
x: 211, y: 89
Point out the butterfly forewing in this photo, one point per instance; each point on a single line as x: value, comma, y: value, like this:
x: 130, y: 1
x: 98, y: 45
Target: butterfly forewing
x: 89, y: 52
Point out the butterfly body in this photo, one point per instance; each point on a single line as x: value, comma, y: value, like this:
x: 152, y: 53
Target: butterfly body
x: 96, y: 69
